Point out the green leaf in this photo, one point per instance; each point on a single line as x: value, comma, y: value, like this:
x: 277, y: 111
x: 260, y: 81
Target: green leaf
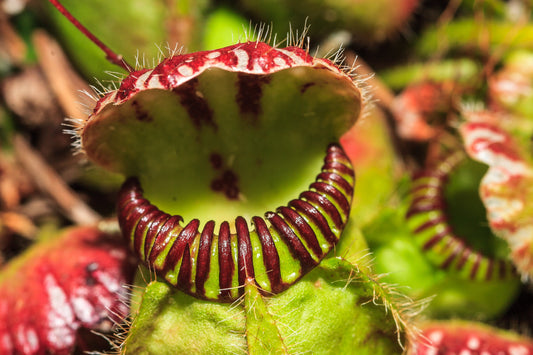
x: 262, y: 334
x: 171, y: 322
x: 336, y: 308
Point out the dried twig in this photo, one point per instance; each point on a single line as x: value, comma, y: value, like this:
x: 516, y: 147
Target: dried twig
x: 48, y: 181
x: 64, y: 81
x: 29, y: 96
x: 11, y: 45
x: 18, y: 223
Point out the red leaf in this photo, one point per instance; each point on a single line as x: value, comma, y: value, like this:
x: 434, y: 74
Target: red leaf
x: 60, y: 286
x: 506, y: 189
x: 459, y: 337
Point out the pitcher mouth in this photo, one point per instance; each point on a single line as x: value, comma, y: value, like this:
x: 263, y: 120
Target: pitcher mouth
x: 428, y: 219
x: 216, y: 266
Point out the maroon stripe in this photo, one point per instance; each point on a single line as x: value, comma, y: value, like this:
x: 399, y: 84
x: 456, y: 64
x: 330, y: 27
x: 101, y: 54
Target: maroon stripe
x: 303, y: 228
x: 132, y: 219
x: 335, y: 153
x: 124, y: 218
x: 245, y: 257
x: 152, y: 232
x: 163, y: 238
x: 134, y: 214
x: 424, y: 207
x: 449, y: 243
x: 130, y: 190
x: 424, y: 198
x: 473, y: 271
x: 125, y: 206
x: 310, y: 211
x: 184, y: 239
x: 464, y: 257
x: 126, y: 202
x: 446, y: 263
x: 459, y: 247
x: 336, y: 156
x: 296, y: 247
x: 335, y: 149
x: 130, y: 212
x: 419, y: 201
x: 338, y: 168
x: 431, y: 223
x: 436, y: 238
x: 331, y: 191
x: 418, y: 185
x: 339, y: 180
x: 225, y: 261
x: 323, y: 202
x: 184, y: 275
x: 270, y: 255
x: 142, y: 226
x: 203, y: 261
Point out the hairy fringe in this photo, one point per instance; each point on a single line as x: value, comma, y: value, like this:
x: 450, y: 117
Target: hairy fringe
x: 403, y: 309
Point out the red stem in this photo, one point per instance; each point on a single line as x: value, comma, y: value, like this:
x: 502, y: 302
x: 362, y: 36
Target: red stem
x: 111, y: 56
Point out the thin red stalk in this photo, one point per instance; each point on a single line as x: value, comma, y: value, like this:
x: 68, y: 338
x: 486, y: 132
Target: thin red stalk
x: 113, y: 57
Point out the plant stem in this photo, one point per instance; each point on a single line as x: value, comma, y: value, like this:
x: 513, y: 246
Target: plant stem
x: 113, y: 57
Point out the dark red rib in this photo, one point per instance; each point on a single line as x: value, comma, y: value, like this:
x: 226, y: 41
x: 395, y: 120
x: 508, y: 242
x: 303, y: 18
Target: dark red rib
x: 453, y: 255
x: 425, y: 207
x: 473, y: 272
x: 141, y: 227
x: 336, y: 154
x: 418, y: 186
x: 124, y: 203
x: 184, y: 275
x: 160, y: 241
x: 338, y: 168
x: 296, y: 247
x: 436, y: 238
x: 323, y: 202
x: 301, y: 225
x: 464, y: 257
x: 153, y: 230
x: 130, y: 190
x: 331, y: 191
x: 270, y: 255
x: 203, y: 261
x: 245, y: 257
x: 225, y: 261
x: 310, y: 211
x: 337, y: 179
x: 184, y: 239
x: 125, y: 220
x: 129, y: 223
x: 431, y: 223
